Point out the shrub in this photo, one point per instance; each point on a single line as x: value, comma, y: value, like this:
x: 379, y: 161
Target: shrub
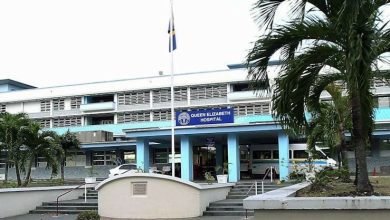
x: 88, y: 215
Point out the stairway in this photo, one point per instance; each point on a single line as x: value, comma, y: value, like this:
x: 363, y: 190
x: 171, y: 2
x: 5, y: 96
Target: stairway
x: 71, y: 206
x: 233, y: 204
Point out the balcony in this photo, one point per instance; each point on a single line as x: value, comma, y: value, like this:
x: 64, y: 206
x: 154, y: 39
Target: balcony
x: 247, y: 95
x: 99, y: 106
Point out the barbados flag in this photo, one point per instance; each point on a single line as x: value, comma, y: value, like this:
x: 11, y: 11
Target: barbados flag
x: 172, y: 36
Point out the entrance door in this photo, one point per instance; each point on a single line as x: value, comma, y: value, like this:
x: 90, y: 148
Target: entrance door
x: 204, y: 161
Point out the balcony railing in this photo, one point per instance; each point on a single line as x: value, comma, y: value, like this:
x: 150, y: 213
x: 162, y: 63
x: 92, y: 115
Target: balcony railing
x: 247, y: 95
x: 100, y: 106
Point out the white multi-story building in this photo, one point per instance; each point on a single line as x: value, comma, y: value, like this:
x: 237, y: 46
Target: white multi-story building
x: 137, y: 113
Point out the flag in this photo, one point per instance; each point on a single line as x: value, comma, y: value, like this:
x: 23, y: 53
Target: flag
x: 172, y: 36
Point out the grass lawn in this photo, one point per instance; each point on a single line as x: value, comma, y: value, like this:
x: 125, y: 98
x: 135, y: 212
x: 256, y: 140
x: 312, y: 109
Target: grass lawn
x: 335, y: 188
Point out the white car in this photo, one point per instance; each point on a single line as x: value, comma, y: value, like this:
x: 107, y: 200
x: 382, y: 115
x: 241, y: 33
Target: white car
x: 124, y: 168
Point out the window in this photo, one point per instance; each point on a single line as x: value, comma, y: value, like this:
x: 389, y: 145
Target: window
x: 162, y: 115
x: 164, y: 95
x: 129, y: 156
x: 3, y: 108
x: 41, y: 161
x: 238, y: 87
x: 101, y: 158
x: 75, y: 158
x: 160, y: 155
x: 208, y: 92
x: 75, y: 102
x: 58, y: 104
x: 252, y: 109
x: 3, y: 157
x: 133, y: 117
x: 141, y: 97
x: 45, y: 106
x: 300, y: 154
x: 45, y: 123
x: 67, y: 121
x: 275, y: 154
x: 261, y: 154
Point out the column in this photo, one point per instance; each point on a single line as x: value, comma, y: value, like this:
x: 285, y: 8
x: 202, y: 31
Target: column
x: 142, y: 155
x: 186, y: 158
x: 219, y: 155
x: 283, y: 144
x: 233, y: 158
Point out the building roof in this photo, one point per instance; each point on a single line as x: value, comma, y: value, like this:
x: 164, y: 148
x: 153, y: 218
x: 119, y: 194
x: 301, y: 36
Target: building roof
x: 243, y: 65
x: 16, y: 83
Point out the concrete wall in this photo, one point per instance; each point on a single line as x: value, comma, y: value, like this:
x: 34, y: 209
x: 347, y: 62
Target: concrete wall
x: 322, y: 214
x: 18, y: 201
x: 166, y: 197
x: 281, y: 204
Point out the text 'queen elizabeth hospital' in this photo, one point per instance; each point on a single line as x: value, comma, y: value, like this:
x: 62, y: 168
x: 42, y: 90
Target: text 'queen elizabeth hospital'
x: 219, y: 120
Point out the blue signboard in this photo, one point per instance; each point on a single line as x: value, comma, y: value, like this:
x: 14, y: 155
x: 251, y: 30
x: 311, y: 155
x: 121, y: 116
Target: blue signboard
x: 204, y: 117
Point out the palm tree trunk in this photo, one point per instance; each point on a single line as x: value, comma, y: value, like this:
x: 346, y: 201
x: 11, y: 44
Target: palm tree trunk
x: 28, y: 175
x: 17, y: 169
x: 359, y: 140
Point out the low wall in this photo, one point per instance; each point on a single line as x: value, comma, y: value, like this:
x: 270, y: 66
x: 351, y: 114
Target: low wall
x: 18, y: 201
x: 148, y: 196
x: 281, y: 204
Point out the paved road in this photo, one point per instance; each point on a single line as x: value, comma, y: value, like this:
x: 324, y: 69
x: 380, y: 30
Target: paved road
x: 73, y: 217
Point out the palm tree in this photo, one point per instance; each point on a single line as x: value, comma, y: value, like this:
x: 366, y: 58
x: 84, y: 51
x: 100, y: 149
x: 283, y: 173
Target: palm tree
x: 10, y: 127
x: 67, y: 142
x: 38, y: 142
x: 324, y: 41
x: 329, y: 122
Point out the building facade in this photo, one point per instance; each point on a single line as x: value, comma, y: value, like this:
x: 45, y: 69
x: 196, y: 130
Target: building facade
x: 128, y: 121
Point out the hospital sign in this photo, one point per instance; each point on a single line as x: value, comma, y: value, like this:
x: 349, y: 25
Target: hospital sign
x: 204, y: 117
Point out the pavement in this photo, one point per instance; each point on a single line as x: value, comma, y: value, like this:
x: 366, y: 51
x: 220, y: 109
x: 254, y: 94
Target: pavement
x: 74, y: 217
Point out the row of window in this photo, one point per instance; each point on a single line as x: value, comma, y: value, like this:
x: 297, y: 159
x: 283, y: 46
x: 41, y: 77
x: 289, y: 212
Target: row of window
x: 59, y: 104
x: 66, y: 122
x: 163, y: 115
x: 3, y: 108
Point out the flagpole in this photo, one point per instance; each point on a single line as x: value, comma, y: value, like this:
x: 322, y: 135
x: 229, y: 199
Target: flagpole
x: 172, y: 95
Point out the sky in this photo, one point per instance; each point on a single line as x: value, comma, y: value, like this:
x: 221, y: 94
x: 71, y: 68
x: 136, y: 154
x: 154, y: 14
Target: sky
x: 59, y: 42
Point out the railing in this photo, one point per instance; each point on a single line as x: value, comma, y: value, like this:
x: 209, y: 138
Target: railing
x: 269, y: 171
x: 67, y: 193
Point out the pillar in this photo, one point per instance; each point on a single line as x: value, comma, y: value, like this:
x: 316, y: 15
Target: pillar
x: 186, y: 158
x: 142, y: 154
x: 283, y: 144
x: 233, y: 158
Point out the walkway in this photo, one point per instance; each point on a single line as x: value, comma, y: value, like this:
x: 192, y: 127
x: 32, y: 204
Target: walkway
x: 73, y: 217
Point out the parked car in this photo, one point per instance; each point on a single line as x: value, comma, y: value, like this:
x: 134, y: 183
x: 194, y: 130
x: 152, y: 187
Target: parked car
x: 124, y: 168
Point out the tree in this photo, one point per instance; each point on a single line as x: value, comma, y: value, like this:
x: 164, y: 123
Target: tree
x: 323, y: 41
x: 10, y: 127
x: 38, y: 142
x: 329, y: 122
x: 67, y: 142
